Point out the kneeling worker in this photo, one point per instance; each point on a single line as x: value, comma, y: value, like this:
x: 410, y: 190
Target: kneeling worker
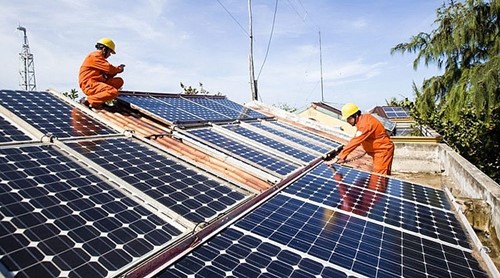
x: 97, y: 76
x: 372, y: 136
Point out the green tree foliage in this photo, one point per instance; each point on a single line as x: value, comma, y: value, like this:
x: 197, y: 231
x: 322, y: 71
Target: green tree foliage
x: 467, y: 44
x: 463, y: 104
x: 73, y: 95
x: 190, y: 90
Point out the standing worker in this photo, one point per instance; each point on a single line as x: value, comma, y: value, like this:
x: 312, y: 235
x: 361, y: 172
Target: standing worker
x: 372, y: 136
x: 97, y: 76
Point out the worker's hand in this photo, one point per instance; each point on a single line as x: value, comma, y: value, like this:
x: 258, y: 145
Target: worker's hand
x: 121, y: 67
x: 340, y: 161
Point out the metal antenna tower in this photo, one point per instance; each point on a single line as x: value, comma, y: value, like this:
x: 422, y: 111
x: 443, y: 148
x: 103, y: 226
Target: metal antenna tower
x: 27, y: 67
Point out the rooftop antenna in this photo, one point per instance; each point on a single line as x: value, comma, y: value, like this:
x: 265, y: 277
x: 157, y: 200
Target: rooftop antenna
x: 253, y: 82
x: 321, y: 67
x: 27, y: 66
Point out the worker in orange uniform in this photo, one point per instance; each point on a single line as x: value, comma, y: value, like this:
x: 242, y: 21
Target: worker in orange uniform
x: 97, y: 76
x: 372, y: 136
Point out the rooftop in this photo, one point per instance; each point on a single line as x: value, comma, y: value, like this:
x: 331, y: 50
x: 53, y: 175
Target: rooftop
x: 171, y: 185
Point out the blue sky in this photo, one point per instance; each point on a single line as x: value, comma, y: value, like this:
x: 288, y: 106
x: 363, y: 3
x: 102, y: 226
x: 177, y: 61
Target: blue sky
x: 191, y: 41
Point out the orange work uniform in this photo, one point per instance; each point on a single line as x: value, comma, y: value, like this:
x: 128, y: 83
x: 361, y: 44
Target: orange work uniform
x: 97, y: 79
x: 376, y: 142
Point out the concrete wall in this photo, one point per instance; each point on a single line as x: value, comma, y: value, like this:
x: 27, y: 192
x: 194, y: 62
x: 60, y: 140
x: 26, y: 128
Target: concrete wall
x: 417, y: 158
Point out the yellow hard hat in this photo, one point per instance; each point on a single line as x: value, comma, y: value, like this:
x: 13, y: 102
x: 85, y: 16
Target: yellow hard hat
x: 349, y: 109
x: 108, y: 43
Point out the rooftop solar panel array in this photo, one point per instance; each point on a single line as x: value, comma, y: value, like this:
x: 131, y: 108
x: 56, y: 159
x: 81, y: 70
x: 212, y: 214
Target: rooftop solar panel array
x: 178, y: 109
x: 57, y: 219
x: 292, y: 236
x: 48, y: 114
x: 183, y: 189
x: 10, y: 133
x: 327, y: 142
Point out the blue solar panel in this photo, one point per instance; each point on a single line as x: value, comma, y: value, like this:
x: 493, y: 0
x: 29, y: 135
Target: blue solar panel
x: 394, y: 112
x: 244, y: 151
x: 288, y: 237
x: 183, y: 109
x: 332, y: 144
x: 230, y: 108
x: 271, y: 143
x: 49, y: 114
x: 10, y: 133
x: 57, y: 219
x: 369, y: 200
x: 183, y: 189
x: 394, y: 187
x: 292, y: 138
x: 160, y: 108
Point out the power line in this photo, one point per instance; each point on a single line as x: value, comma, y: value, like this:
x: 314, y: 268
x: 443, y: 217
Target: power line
x: 270, y: 37
x: 245, y: 31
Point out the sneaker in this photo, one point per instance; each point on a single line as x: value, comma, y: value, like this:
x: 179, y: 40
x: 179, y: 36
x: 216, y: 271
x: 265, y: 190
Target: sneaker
x: 84, y: 101
x: 110, y: 103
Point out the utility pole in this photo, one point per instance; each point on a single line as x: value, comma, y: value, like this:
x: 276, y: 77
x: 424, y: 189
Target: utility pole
x: 253, y: 82
x: 27, y: 67
x: 321, y: 67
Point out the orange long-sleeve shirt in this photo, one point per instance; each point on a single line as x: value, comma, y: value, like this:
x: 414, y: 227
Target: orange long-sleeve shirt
x: 371, y: 135
x: 95, y: 68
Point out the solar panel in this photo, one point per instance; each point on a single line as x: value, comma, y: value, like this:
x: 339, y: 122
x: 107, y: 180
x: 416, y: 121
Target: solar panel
x: 313, y: 146
x: 182, y: 109
x: 367, y: 198
x: 331, y: 143
x: 394, y: 112
x: 10, y: 133
x: 230, y: 108
x: 271, y: 143
x: 59, y: 219
x: 160, y: 109
x: 183, y: 189
x: 395, y: 187
x: 245, y: 152
x: 289, y: 236
x: 49, y: 114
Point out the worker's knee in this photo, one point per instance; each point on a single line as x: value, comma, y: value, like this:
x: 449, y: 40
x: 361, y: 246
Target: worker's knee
x: 116, y: 82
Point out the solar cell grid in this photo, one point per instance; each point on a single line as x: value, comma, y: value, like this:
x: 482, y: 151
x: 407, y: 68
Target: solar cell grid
x: 215, y: 105
x: 325, y: 141
x: 327, y: 243
x: 160, y: 108
x: 48, y: 114
x: 67, y: 222
x: 427, y: 221
x: 395, y: 112
x: 242, y: 110
x: 237, y: 149
x: 184, y: 190
x: 394, y: 187
x: 269, y: 142
x: 291, y: 138
x: 10, y: 133
x: 200, y: 111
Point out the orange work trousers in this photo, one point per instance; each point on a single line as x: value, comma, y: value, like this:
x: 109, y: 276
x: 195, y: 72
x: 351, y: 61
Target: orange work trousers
x: 382, y: 162
x: 99, y: 92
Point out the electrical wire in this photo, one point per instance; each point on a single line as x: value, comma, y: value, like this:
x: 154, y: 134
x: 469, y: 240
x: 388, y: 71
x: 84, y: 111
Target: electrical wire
x: 245, y: 31
x: 270, y: 38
